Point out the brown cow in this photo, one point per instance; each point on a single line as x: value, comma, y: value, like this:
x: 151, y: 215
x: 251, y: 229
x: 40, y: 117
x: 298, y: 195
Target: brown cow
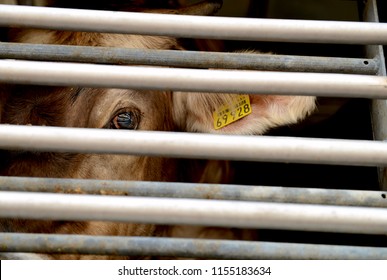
x: 123, y: 109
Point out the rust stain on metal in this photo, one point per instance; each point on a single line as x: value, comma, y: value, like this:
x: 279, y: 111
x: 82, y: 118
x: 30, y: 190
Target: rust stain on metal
x: 214, y: 192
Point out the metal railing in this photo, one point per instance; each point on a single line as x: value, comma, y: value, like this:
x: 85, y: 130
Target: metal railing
x: 137, y: 77
x: 174, y: 211
x: 197, y: 191
x: 189, y: 59
x: 195, y: 26
x: 194, y: 145
x: 181, y: 247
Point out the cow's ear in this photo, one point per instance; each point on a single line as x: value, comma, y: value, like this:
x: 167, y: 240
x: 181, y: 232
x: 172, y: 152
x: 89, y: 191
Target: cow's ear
x: 238, y: 114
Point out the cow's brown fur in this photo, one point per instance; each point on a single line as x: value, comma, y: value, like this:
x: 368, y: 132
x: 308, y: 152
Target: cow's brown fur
x: 94, y: 108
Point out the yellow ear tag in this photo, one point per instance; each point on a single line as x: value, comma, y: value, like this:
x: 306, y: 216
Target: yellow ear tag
x: 229, y: 113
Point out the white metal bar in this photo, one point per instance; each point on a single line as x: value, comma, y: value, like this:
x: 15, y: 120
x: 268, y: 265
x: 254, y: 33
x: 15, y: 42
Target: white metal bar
x: 194, y: 212
x: 195, y: 26
x: 194, y: 145
x: 156, y: 78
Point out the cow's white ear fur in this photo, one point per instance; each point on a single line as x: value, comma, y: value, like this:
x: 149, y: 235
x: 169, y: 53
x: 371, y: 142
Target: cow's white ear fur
x: 194, y: 112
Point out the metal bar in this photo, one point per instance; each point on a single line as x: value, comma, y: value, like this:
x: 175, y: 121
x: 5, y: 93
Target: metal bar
x: 362, y: 220
x: 137, y: 77
x: 195, y: 26
x: 181, y: 247
x: 379, y: 107
x: 189, y: 59
x: 197, y: 191
x: 194, y: 145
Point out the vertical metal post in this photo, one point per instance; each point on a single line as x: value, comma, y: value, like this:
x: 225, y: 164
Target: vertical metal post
x: 379, y: 106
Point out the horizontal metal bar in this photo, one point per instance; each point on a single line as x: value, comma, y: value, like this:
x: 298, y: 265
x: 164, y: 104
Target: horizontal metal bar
x: 195, y: 26
x: 195, y: 145
x: 136, y: 77
x: 70, y: 207
x: 197, y: 191
x: 181, y: 247
x: 189, y: 59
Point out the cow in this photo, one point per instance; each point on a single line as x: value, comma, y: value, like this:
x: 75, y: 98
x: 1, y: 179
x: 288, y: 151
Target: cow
x: 125, y: 109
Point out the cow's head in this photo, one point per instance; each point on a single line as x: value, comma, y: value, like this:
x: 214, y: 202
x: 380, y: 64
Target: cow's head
x: 123, y: 109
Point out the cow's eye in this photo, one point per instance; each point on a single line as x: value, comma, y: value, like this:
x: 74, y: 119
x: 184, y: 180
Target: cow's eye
x: 125, y: 120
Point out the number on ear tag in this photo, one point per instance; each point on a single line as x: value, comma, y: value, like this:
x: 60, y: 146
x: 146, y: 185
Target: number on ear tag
x: 229, y: 113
